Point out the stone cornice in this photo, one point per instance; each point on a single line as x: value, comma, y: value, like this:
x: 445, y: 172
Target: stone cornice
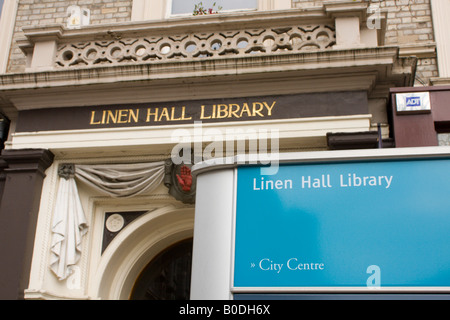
x: 201, y: 68
x: 299, y: 72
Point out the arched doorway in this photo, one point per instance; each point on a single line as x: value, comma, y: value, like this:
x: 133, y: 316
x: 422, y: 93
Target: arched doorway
x: 135, y: 247
x: 167, y: 276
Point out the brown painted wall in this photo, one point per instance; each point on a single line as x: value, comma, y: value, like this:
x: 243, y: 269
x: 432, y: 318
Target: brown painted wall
x: 421, y: 129
x: 19, y: 208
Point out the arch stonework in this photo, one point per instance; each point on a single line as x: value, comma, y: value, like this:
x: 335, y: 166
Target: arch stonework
x: 136, y: 246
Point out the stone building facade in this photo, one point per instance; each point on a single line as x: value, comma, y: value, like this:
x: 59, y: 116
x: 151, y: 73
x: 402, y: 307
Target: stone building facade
x: 409, y: 24
x: 99, y: 103
x: 32, y: 13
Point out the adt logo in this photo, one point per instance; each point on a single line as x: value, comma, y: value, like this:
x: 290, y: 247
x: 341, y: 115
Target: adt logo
x: 413, y: 102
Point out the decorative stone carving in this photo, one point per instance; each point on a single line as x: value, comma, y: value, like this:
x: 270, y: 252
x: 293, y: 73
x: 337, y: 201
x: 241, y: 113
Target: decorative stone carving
x: 237, y: 43
x: 66, y: 170
x: 115, y: 223
x: 179, y: 180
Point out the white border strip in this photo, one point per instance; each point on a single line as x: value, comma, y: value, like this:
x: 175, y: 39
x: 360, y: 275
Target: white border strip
x: 326, y: 157
x: 361, y: 290
x: 162, y: 135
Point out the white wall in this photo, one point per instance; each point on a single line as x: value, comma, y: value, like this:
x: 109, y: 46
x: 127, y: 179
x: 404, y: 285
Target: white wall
x: 7, y: 19
x: 212, y: 253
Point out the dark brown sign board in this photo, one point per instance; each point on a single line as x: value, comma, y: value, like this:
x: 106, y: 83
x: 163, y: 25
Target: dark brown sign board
x: 186, y: 112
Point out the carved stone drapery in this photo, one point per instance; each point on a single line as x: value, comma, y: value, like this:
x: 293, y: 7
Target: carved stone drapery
x: 69, y: 225
x: 69, y: 222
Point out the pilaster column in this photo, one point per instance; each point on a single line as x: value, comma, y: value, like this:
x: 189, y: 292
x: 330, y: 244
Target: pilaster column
x: 441, y: 24
x: 19, y: 208
x: 349, y: 17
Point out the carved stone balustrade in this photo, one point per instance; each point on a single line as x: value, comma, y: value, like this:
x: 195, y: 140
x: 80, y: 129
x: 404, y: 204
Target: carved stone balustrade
x: 331, y: 26
x: 199, y: 45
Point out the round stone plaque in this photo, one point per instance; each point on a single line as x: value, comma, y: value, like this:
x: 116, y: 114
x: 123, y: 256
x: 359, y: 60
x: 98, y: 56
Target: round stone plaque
x: 115, y: 223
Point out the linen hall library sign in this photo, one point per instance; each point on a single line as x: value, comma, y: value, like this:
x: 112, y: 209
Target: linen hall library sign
x: 378, y: 223
x: 185, y: 112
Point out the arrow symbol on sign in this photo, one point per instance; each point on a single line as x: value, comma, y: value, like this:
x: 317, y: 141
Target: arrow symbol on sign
x: 252, y: 265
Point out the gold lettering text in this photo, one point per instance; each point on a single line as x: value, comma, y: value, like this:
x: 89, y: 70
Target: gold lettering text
x: 154, y: 114
x: 183, y: 114
x: 111, y: 117
x: 234, y: 109
x: 269, y: 109
x: 134, y: 115
x: 93, y: 119
x: 172, y: 118
x: 245, y: 109
x: 222, y: 111
x: 123, y: 116
x: 165, y: 113
x: 202, y: 115
x: 257, y: 110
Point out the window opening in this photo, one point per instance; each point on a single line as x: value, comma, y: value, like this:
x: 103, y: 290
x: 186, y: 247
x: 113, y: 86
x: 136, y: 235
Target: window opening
x: 187, y: 7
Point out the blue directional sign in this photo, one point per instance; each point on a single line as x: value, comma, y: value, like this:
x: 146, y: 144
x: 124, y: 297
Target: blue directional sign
x: 354, y: 224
